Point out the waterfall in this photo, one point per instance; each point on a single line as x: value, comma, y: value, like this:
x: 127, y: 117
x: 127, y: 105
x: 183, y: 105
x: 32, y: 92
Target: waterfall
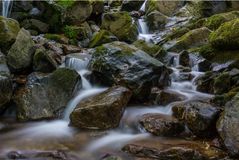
x: 6, y: 7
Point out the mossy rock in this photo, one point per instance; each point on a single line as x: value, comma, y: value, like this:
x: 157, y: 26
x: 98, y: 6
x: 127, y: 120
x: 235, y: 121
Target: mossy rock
x: 121, y: 25
x: 20, y: 54
x: 226, y: 36
x: 215, y: 21
x: 150, y: 48
x: 193, y: 38
x: 9, y: 29
x: 102, y: 37
x: 60, y: 38
x: 222, y: 83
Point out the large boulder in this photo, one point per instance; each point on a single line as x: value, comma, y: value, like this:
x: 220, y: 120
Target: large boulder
x: 102, y: 37
x: 121, y: 25
x: 45, y: 96
x: 227, y: 126
x: 34, y: 24
x: 215, y: 21
x: 78, y: 12
x: 226, y: 36
x: 200, y: 117
x: 9, y: 29
x: 168, y: 8
x: 173, y: 149
x: 161, y: 125
x: 20, y: 54
x: 102, y: 111
x: 6, y: 87
x: 123, y: 64
x: 193, y: 38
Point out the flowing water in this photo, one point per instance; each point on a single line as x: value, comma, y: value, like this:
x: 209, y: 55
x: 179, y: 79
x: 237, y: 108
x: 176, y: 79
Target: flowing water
x: 50, y: 135
x: 6, y: 7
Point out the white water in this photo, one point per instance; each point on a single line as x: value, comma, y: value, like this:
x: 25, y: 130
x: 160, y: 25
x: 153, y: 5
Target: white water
x: 6, y: 7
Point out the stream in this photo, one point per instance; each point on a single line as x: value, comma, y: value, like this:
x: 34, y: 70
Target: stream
x: 54, y: 135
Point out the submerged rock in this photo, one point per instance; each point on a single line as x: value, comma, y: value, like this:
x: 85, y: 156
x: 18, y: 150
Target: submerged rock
x: 102, y: 111
x: 122, y: 64
x: 173, y: 149
x: 6, y: 87
x: 9, y: 29
x: 226, y: 36
x: 46, y: 95
x: 161, y: 125
x: 227, y: 126
x: 200, y: 117
x: 121, y: 25
x: 20, y: 55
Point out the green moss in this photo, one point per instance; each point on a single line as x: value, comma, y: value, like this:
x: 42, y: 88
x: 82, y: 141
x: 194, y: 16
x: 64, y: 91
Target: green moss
x: 222, y: 83
x: 102, y: 37
x: 55, y: 37
x: 226, y: 36
x: 215, y: 21
x: 152, y: 49
x: 65, y: 3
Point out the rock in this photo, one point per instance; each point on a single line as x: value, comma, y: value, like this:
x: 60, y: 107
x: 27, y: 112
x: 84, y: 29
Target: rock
x: 102, y: 111
x: 226, y: 36
x: 121, y: 25
x: 204, y: 65
x: 68, y: 49
x: 6, y: 87
x: 222, y: 83
x: 166, y: 97
x: 184, y: 59
x: 215, y: 21
x: 153, y: 50
x: 8, y: 32
x: 131, y: 5
x: 200, y: 117
x: 161, y: 125
x: 122, y: 64
x: 173, y: 149
x: 35, y: 24
x: 78, y: 12
x: 193, y: 38
x: 156, y: 20
x: 44, y: 61
x: 227, y: 126
x: 20, y: 54
x: 168, y: 8
x: 205, y: 82
x: 60, y: 38
x: 228, y: 65
x: 102, y: 37
x: 46, y: 95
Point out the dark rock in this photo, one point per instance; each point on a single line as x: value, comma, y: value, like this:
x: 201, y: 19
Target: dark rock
x: 161, y: 125
x: 204, y: 65
x: 184, y: 58
x: 45, y: 95
x: 227, y: 126
x: 205, y: 82
x: 68, y: 49
x: 131, y: 5
x: 166, y: 97
x: 20, y: 55
x: 123, y: 64
x: 200, y: 117
x: 222, y: 83
x: 102, y: 111
x: 34, y: 24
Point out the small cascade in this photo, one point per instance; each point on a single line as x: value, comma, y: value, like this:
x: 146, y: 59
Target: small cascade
x: 6, y: 7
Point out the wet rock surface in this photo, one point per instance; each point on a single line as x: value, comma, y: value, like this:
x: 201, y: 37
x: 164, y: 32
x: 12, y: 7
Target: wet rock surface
x: 161, y: 125
x: 46, y: 95
x: 102, y: 111
x: 123, y: 64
